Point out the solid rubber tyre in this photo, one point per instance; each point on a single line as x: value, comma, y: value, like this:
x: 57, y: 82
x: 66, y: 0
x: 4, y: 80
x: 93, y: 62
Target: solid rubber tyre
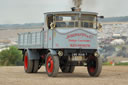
x: 67, y: 69
x: 94, y: 66
x: 35, y: 66
x: 71, y: 69
x: 52, y: 65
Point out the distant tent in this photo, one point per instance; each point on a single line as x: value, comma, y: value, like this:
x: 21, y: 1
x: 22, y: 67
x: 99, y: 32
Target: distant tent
x: 118, y: 42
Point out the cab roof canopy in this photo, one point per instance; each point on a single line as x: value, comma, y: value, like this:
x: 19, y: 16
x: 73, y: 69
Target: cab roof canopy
x: 72, y: 12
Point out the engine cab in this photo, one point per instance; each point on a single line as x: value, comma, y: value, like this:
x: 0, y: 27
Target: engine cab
x: 71, y: 19
x: 68, y: 39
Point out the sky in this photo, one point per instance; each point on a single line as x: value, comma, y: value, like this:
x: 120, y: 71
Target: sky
x: 31, y: 11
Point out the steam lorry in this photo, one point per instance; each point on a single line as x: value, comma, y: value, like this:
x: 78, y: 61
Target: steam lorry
x: 68, y: 39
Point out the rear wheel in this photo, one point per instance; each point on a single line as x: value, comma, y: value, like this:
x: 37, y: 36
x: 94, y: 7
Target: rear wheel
x: 35, y: 66
x: 67, y: 69
x: 28, y: 64
x: 71, y: 69
x: 94, y: 66
x: 52, y: 65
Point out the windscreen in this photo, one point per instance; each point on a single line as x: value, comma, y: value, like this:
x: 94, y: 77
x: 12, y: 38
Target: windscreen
x: 66, y: 21
x: 88, y: 21
x: 71, y: 21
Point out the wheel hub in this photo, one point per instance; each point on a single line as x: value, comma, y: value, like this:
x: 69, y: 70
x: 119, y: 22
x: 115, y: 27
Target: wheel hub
x: 49, y: 64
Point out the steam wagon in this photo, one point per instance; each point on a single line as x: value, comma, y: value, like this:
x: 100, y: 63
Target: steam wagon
x: 68, y: 39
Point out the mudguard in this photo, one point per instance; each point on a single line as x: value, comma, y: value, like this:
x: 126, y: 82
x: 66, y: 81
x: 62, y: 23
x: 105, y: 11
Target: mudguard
x: 53, y: 52
x: 33, y: 54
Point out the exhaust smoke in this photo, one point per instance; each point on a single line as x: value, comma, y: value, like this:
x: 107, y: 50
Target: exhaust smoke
x: 84, y: 4
x: 77, y: 3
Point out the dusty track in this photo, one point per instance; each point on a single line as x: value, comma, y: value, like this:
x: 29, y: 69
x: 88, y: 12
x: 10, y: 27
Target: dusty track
x: 110, y: 75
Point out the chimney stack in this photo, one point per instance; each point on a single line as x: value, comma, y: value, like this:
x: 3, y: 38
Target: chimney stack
x: 76, y: 9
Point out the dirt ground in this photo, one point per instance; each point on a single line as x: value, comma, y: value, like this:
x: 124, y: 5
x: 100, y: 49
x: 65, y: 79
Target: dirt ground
x: 111, y: 75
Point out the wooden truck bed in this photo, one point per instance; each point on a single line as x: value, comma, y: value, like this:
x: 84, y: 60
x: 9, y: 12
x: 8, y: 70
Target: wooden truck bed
x: 32, y: 40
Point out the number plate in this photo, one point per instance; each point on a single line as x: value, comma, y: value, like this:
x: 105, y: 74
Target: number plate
x: 77, y: 58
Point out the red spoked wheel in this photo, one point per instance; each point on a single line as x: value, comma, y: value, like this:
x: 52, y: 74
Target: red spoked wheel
x: 28, y: 64
x: 52, y: 65
x: 94, y: 66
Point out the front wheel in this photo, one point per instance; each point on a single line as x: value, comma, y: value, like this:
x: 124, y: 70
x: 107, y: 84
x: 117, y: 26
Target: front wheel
x: 94, y: 66
x: 52, y: 65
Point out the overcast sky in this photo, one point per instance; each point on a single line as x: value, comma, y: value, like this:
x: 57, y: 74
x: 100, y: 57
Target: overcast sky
x: 31, y: 11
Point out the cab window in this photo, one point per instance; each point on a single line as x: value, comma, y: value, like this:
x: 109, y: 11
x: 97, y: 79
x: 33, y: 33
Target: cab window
x: 88, y: 21
x: 66, y: 20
